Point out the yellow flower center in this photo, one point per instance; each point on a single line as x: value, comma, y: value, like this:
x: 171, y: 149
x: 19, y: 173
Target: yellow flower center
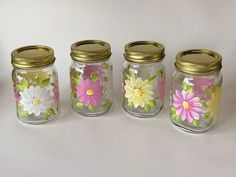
x: 186, y: 105
x: 89, y: 92
x: 139, y: 92
x: 36, y: 101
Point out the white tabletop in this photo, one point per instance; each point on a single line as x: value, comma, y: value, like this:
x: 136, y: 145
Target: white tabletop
x: 116, y: 145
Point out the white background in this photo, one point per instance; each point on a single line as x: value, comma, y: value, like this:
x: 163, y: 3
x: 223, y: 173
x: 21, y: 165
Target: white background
x: 115, y: 145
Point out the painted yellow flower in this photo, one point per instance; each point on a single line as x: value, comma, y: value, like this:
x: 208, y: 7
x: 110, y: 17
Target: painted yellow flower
x: 213, y: 103
x: 138, y: 92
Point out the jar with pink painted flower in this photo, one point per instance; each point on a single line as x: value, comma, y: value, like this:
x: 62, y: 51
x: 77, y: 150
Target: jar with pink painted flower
x: 195, y: 90
x: 143, y: 78
x: 91, y: 77
x: 35, y: 84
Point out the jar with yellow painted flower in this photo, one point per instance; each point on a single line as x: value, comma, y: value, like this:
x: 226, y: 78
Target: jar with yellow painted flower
x: 195, y: 90
x: 143, y: 78
x: 91, y: 77
x: 35, y: 83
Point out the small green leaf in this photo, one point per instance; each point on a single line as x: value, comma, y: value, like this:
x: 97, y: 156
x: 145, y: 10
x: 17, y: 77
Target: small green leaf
x: 147, y: 107
x: 189, y: 89
x: 131, y: 74
x: 106, y: 103
x: 24, y: 83
x: 20, y: 88
x: 130, y: 105
x: 91, y: 107
x: 79, y: 105
x: 152, y: 104
x: 50, y: 111
x: 172, y: 110
x: 24, y: 114
x: 106, y: 79
x: 196, y: 123
x: 183, y: 86
x: 105, y: 66
x: 177, y: 119
x: 94, y: 76
x: 152, y: 78
x: 46, y: 116
x: 206, y: 116
x: 20, y: 106
x: 45, y: 82
x: 73, y: 96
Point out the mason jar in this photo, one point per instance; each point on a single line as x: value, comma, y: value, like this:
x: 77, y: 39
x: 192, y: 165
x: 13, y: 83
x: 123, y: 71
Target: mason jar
x: 91, y: 77
x: 195, y: 90
x: 143, y: 78
x: 35, y: 84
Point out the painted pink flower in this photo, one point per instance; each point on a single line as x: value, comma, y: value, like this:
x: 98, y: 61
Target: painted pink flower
x: 56, y: 92
x: 187, y: 105
x: 200, y: 84
x: 89, y: 92
x: 90, y: 69
x: 16, y: 92
x: 161, y: 89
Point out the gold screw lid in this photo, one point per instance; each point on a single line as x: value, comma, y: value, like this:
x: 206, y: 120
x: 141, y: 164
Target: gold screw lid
x: 198, y: 61
x: 33, y: 56
x: 90, y: 51
x: 144, y: 51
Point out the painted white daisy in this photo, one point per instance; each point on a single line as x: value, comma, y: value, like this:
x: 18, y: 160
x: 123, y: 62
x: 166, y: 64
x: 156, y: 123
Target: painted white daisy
x: 36, y: 100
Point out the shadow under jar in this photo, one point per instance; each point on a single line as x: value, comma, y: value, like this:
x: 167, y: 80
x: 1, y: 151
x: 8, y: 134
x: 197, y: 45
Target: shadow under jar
x: 91, y: 77
x: 35, y: 83
x: 143, y: 78
x: 195, y: 90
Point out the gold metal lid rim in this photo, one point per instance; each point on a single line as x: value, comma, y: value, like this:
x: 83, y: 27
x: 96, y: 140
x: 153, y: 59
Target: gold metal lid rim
x: 90, y: 51
x: 198, y: 61
x: 144, y: 51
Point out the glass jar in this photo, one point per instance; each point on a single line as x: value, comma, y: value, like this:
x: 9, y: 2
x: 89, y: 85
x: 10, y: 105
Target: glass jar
x: 35, y: 84
x: 143, y: 78
x: 195, y: 90
x: 91, y: 77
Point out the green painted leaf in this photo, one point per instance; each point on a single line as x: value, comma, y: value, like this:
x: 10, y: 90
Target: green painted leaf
x: 189, y: 89
x: 94, y: 76
x: 106, y: 79
x: 20, y: 106
x: 46, y: 116
x: 152, y: 104
x: 132, y: 74
x: 50, y: 111
x: 45, y: 82
x: 130, y: 105
x: 196, y: 123
x: 172, y: 110
x: 24, y: 114
x: 206, y: 116
x: 73, y: 96
x: 151, y: 79
x: 183, y: 86
x: 24, y: 83
x: 20, y: 88
x: 105, y: 66
x: 79, y: 105
x: 177, y: 119
x: 91, y: 107
x: 147, y: 107
x: 106, y: 103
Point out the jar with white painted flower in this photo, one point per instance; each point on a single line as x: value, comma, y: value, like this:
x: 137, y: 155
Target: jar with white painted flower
x: 195, y: 90
x: 91, y: 77
x: 35, y: 84
x: 143, y: 78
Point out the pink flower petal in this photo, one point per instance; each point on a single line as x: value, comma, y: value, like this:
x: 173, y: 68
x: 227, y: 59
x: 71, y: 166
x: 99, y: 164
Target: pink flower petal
x: 183, y: 115
x: 189, y: 96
